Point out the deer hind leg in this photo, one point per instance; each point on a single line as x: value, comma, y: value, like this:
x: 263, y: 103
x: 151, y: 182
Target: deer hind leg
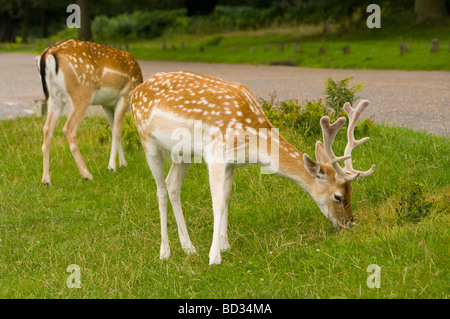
x: 116, y: 145
x: 53, y: 114
x: 155, y: 162
x: 70, y: 129
x: 115, y: 120
x: 224, y: 244
x: 173, y: 182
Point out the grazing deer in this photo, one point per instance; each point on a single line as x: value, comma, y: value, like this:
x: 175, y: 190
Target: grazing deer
x: 78, y: 74
x: 170, y: 105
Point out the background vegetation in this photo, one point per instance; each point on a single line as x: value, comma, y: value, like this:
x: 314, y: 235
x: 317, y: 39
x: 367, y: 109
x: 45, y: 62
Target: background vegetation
x: 41, y: 18
x: 248, y: 31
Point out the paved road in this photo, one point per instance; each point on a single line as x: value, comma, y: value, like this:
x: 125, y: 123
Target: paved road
x: 417, y: 99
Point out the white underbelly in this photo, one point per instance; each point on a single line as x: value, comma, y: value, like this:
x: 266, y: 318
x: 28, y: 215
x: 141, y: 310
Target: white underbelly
x: 107, y: 97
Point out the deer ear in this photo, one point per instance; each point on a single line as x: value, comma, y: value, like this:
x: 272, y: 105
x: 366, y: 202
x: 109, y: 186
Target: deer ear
x: 313, y: 168
x: 321, y: 155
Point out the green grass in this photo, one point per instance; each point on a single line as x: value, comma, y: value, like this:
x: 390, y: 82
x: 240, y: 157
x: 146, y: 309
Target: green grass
x: 369, y: 48
x: 281, y: 245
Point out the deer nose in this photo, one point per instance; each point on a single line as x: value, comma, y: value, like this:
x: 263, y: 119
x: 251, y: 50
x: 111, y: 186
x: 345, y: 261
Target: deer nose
x: 351, y: 222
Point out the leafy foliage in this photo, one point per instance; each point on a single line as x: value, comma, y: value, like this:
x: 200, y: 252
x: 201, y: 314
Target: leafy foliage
x: 139, y: 24
x: 151, y: 24
x: 305, y: 117
x: 338, y: 93
x: 130, y: 136
x: 146, y: 23
x: 302, y: 117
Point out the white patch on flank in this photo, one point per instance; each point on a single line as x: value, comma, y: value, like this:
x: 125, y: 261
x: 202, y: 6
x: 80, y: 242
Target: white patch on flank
x: 108, y: 70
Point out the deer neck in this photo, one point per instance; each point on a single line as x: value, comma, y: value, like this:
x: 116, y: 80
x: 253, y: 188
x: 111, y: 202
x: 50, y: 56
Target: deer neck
x: 289, y: 164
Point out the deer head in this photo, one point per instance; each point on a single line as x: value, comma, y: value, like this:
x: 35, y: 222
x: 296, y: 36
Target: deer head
x: 333, y: 188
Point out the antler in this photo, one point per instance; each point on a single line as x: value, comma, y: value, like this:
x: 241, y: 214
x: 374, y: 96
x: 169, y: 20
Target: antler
x: 329, y: 133
x: 353, y: 116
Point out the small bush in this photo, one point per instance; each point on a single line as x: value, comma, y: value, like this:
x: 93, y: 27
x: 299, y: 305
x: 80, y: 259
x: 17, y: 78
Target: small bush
x: 130, y: 136
x: 68, y: 33
x: 302, y: 117
x: 337, y: 93
x: 305, y: 117
x: 137, y: 25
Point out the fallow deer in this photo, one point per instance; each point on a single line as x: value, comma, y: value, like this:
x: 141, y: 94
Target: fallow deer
x: 184, y: 104
x: 78, y: 74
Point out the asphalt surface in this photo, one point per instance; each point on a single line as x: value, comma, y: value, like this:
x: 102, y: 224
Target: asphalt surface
x: 416, y: 99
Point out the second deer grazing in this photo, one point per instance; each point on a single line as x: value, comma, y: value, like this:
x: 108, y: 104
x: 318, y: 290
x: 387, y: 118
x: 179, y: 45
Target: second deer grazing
x: 196, y: 116
x: 76, y: 74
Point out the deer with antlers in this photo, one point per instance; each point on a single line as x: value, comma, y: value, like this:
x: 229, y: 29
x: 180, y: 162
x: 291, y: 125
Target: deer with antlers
x: 230, y: 121
x: 77, y: 74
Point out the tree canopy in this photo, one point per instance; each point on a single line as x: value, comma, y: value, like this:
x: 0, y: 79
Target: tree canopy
x: 40, y: 18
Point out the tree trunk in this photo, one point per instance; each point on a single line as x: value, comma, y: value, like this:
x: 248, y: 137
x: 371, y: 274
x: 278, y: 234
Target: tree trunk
x: 11, y: 23
x: 199, y: 7
x: 25, y: 25
x: 84, y: 33
x: 8, y: 29
x: 44, y: 23
x: 429, y: 9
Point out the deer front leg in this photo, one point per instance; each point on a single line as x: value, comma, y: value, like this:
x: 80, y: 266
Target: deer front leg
x: 173, y: 182
x: 217, y: 185
x: 70, y: 133
x: 53, y: 114
x: 156, y: 164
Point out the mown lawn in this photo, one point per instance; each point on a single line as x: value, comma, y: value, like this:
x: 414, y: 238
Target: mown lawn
x: 281, y: 245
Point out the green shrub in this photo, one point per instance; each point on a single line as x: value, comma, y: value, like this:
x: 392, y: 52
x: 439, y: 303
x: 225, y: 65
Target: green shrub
x: 239, y: 17
x: 137, y: 25
x: 337, y: 93
x: 305, y: 117
x: 67, y: 33
x: 151, y: 24
x: 130, y: 135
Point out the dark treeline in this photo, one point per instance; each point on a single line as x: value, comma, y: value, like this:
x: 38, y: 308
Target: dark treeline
x: 41, y: 18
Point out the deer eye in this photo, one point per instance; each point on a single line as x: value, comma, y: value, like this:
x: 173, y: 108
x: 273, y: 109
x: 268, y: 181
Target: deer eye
x: 338, y: 198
